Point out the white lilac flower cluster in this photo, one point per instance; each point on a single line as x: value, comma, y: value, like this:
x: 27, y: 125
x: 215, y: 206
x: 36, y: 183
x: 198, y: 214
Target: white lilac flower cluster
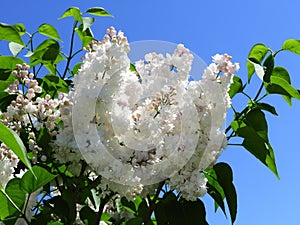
x: 28, y: 113
x: 139, y: 127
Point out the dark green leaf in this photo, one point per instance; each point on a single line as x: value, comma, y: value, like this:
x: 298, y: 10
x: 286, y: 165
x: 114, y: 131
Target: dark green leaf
x: 7, y: 65
x: 134, y: 221
x: 98, y: 11
x: 292, y: 45
x: 43, y: 138
x: 268, y: 67
x: 9, y: 33
x: 254, y: 130
x: 14, y: 142
x: 29, y: 183
x: 236, y: 86
x: 225, y: 178
x: 128, y: 205
x: 143, y: 209
x: 5, y: 100
x: 257, y: 52
x: 49, y: 31
x: 74, y: 12
x: 46, y: 52
x: 87, y: 22
x: 173, y: 212
x: 214, y: 189
x: 267, y: 107
x: 87, y: 215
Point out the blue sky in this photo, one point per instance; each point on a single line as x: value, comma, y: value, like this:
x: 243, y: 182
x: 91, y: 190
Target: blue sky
x: 207, y: 28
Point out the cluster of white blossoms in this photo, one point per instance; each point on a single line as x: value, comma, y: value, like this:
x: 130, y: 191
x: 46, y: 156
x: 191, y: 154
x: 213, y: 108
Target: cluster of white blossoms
x: 138, y: 127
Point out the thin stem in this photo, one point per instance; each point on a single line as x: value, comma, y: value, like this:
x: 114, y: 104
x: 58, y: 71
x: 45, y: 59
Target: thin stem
x: 259, y: 91
x: 232, y: 144
x: 71, y: 50
x: 101, y: 208
x: 152, y: 204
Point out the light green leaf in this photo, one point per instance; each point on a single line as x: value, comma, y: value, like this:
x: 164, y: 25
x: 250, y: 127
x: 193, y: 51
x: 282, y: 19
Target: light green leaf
x: 15, y: 48
x: 30, y: 184
x: 87, y: 22
x: 85, y: 36
x: 74, y: 12
x: 292, y: 45
x: 9, y: 33
x: 12, y: 199
x: 256, y: 55
x: 20, y: 28
x: 235, y: 87
x: 14, y: 142
x: 98, y: 11
x: 285, y: 86
x: 49, y: 31
x: 46, y: 52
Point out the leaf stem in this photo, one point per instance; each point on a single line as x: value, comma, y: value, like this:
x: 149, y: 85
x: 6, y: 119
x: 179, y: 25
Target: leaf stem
x: 71, y: 51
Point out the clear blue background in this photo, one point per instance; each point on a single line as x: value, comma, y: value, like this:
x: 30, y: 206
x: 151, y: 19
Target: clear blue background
x: 207, y: 28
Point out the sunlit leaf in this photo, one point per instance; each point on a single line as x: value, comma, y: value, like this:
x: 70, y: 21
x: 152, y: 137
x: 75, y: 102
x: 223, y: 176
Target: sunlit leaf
x: 30, y: 184
x: 49, y: 31
x: 235, y: 87
x: 20, y: 28
x: 259, y: 70
x: 292, y: 45
x: 257, y: 52
x: 73, y: 12
x: 98, y: 11
x: 9, y: 33
x: 14, y: 143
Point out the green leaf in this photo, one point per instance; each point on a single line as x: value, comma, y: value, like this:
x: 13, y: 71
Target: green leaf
x: 14, y: 143
x: 128, y: 205
x: 257, y: 52
x: 268, y: 67
x: 20, y: 28
x: 74, y: 12
x: 254, y: 130
x: 235, y: 87
x: 7, y: 65
x: 267, y: 107
x: 5, y: 100
x: 30, y: 184
x: 49, y: 31
x: 292, y: 45
x: 214, y: 189
x: 46, y: 52
x: 134, y: 221
x: 9, y: 33
x: 225, y: 178
x: 98, y: 11
x: 87, y: 22
x: 15, y: 48
x: 85, y: 36
x: 12, y: 199
x: 171, y: 211
x: 76, y: 68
